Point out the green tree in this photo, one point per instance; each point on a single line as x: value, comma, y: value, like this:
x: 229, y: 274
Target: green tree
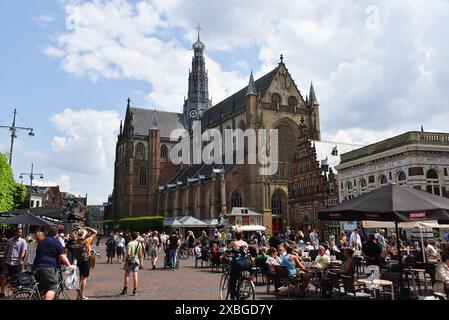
x: 12, y: 194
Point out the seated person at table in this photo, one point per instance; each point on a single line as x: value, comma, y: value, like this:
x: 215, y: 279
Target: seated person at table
x: 348, y: 266
x: 272, y: 260
x: 431, y: 252
x: 198, y: 250
x: 252, y: 249
x: 281, y: 250
x: 295, y: 267
x: 333, y: 248
x: 322, y: 260
x: 371, y: 251
x: 442, y: 275
x: 309, y: 247
x: 393, y: 250
x: 262, y: 255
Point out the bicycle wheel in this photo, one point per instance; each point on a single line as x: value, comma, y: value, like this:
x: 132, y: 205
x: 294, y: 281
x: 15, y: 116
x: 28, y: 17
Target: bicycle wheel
x: 246, y: 290
x: 224, y: 284
x: 24, y: 294
x: 64, y: 293
x: 183, y: 253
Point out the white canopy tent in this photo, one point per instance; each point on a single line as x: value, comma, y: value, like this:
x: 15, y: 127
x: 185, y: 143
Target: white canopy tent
x: 249, y: 228
x: 192, y: 222
x: 407, y: 225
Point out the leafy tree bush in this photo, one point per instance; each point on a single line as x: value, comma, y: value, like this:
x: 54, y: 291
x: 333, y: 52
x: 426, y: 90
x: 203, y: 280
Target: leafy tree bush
x: 142, y: 224
x: 12, y: 194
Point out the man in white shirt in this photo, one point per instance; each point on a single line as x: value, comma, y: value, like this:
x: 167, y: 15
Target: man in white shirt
x: 431, y: 252
x: 272, y: 260
x: 356, y: 237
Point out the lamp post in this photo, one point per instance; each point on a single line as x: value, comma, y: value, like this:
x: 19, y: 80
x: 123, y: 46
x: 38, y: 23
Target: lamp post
x: 13, y: 130
x: 31, y: 175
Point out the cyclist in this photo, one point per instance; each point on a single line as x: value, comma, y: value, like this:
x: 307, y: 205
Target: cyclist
x: 238, y: 252
x: 49, y: 253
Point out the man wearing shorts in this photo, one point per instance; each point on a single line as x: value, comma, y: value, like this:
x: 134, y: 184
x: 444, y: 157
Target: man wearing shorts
x: 120, y: 246
x: 48, y: 254
x: 134, y: 254
x: 15, y: 253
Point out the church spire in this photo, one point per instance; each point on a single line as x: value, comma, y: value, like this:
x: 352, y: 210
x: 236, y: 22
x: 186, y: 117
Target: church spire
x: 312, y: 95
x: 198, y: 94
x: 154, y: 125
x: 251, y: 86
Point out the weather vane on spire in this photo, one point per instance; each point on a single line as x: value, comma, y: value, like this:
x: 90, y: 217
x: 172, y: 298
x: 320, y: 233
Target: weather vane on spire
x: 198, y: 27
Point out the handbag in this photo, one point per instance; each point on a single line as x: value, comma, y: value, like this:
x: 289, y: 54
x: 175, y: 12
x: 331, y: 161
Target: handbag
x: 133, y: 260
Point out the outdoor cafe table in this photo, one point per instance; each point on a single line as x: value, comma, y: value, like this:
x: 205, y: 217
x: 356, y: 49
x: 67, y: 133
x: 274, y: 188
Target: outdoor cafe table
x: 373, y: 284
x: 415, y: 273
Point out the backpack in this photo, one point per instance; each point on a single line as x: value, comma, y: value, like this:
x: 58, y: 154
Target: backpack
x: 79, y: 252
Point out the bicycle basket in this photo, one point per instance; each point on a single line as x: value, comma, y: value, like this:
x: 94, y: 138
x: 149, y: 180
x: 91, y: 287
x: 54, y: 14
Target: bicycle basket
x: 22, y: 279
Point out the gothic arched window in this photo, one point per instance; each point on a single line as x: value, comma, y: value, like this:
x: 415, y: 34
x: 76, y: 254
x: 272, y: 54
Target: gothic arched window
x: 292, y: 101
x: 140, y: 151
x: 142, y: 177
x: 276, y: 99
x: 236, y: 199
x: 164, y: 152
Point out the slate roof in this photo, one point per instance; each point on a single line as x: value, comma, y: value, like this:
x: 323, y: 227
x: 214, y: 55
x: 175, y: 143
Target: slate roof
x: 194, y: 171
x: 143, y: 121
x: 237, y: 100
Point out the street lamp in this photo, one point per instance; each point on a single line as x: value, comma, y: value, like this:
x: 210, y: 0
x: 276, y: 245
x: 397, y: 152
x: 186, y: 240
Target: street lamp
x: 13, y: 130
x: 31, y: 175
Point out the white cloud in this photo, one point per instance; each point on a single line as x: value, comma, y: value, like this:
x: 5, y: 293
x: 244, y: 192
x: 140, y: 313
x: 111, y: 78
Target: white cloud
x: 88, y: 143
x: 43, y: 20
x: 63, y: 181
x: 369, y: 81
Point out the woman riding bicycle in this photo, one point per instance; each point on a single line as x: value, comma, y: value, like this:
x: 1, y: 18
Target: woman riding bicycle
x: 238, y: 252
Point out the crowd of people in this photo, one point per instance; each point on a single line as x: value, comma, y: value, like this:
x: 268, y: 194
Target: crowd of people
x: 45, y: 251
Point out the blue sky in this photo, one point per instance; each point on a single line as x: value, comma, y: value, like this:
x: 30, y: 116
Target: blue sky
x: 379, y: 68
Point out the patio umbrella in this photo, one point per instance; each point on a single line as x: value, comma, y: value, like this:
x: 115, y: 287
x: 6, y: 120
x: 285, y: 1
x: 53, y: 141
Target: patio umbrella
x: 390, y: 203
x: 28, y: 219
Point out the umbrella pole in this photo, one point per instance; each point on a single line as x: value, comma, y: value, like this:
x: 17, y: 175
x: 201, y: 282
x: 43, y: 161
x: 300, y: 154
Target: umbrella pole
x: 422, y: 244
x: 397, y: 241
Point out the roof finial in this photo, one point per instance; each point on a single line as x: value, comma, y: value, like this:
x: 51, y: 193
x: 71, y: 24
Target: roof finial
x: 251, y: 86
x: 198, y: 27
x: 422, y: 128
x: 129, y: 102
x: 154, y: 124
x: 282, y: 58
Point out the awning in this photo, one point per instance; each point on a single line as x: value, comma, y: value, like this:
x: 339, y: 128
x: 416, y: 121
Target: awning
x: 28, y: 219
x: 249, y: 228
x: 404, y: 225
x: 172, y: 222
x: 191, y: 222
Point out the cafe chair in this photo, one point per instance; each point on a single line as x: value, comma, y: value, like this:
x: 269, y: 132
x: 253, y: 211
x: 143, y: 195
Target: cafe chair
x: 283, y: 278
x: 350, y: 291
x: 337, y: 286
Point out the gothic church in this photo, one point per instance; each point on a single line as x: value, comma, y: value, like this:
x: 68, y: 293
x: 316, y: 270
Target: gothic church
x: 147, y: 183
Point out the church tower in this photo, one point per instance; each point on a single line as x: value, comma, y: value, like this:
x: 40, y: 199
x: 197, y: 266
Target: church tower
x: 198, y: 95
x: 314, y: 109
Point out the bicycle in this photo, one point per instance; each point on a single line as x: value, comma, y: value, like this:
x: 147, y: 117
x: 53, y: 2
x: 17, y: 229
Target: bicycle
x: 183, y: 252
x: 245, y: 285
x: 24, y: 287
x: 66, y: 291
